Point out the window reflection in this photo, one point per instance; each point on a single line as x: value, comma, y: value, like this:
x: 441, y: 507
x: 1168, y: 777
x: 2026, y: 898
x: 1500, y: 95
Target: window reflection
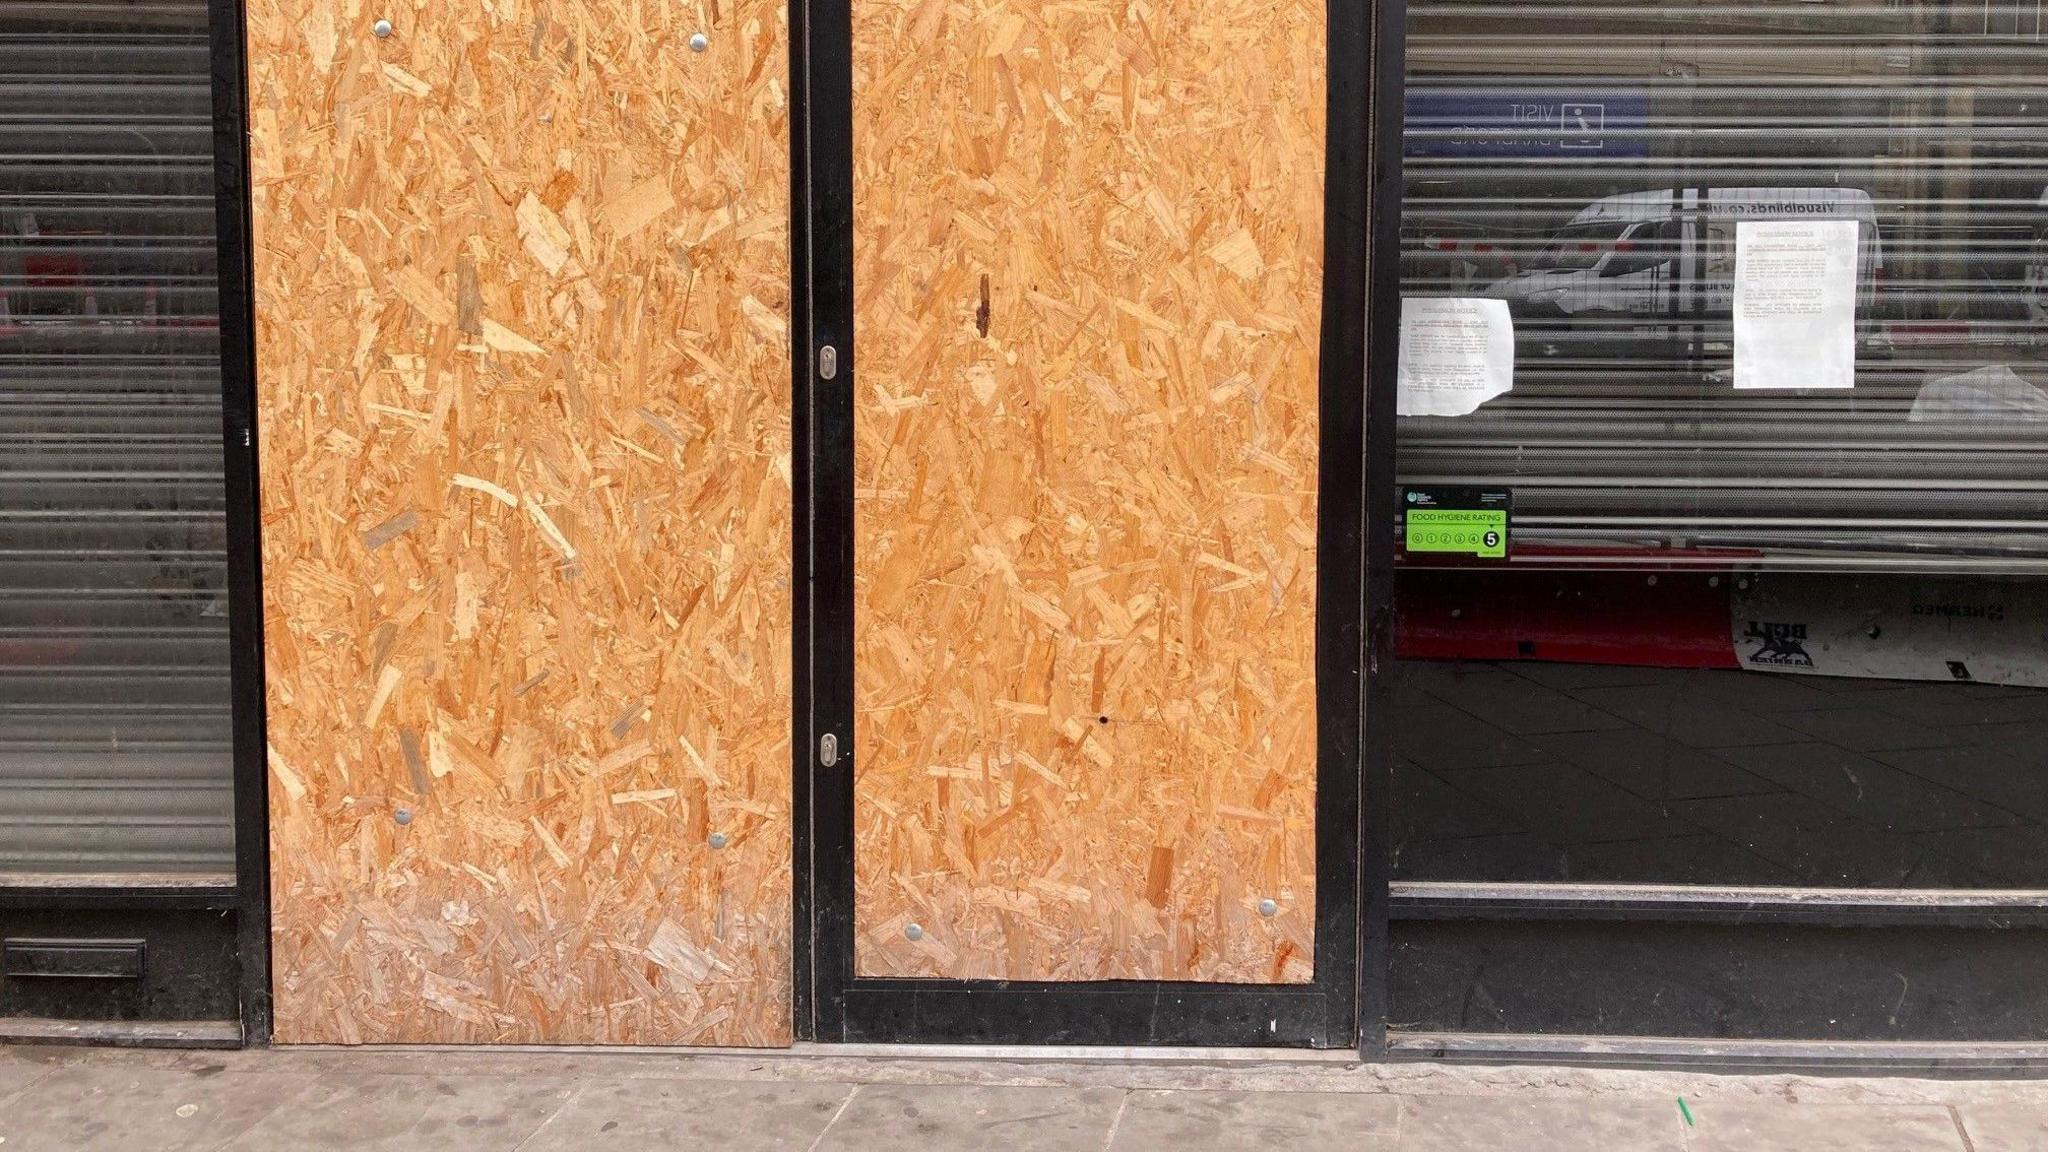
x: 1742, y: 637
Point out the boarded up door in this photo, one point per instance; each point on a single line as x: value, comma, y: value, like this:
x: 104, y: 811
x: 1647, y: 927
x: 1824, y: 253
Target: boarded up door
x: 522, y: 287
x: 1087, y: 271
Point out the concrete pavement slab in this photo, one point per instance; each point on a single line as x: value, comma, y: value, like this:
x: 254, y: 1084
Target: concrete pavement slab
x: 1997, y: 1128
x: 112, y: 1108
x: 1774, y: 1127
x: 1468, y: 1123
x: 973, y: 1118
x: 370, y: 1111
x: 1174, y: 1121
x: 17, y: 1073
x: 631, y: 1115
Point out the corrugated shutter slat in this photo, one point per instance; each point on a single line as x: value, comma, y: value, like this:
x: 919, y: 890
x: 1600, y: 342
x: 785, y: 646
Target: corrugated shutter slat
x: 1624, y: 440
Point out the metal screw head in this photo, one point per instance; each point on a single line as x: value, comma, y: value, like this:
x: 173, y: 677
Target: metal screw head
x: 913, y: 932
x: 403, y: 815
x: 718, y: 840
x: 1269, y: 907
x: 699, y: 42
x: 381, y: 29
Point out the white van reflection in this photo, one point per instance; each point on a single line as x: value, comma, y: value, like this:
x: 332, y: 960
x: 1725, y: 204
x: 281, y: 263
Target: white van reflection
x: 1671, y: 252
x: 1568, y: 276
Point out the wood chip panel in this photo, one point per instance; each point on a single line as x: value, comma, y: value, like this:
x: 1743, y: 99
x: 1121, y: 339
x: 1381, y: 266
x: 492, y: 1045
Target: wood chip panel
x: 1088, y: 237
x: 522, y: 294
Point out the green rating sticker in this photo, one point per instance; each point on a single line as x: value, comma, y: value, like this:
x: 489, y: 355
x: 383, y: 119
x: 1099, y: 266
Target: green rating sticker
x: 1467, y: 531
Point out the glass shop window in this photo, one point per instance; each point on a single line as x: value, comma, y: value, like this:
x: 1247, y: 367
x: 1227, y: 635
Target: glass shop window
x: 1747, y: 304
x: 115, y: 758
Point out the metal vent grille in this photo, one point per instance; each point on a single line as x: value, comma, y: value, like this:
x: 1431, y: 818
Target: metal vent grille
x: 114, y: 705
x: 1623, y: 438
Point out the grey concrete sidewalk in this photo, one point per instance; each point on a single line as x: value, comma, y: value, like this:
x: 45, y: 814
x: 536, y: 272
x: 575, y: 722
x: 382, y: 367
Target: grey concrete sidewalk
x: 816, y: 1099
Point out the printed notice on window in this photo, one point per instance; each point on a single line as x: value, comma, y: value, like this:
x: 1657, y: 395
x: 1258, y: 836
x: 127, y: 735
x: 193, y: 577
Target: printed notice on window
x: 1455, y: 355
x: 1795, y: 304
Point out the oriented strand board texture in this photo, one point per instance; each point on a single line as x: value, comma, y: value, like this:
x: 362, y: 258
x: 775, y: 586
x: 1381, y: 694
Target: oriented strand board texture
x: 1088, y: 237
x: 522, y: 288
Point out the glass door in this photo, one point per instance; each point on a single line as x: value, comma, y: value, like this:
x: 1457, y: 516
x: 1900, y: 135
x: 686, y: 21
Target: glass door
x: 1750, y: 697
x: 116, y: 737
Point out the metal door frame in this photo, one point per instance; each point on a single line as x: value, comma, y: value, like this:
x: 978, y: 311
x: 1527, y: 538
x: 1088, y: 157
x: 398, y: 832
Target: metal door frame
x: 1383, y: 106
x: 227, y: 21
x: 174, y: 920
x: 831, y: 1002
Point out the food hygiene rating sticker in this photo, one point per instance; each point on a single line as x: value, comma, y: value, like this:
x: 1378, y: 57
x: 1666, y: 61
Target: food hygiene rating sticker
x: 1464, y: 521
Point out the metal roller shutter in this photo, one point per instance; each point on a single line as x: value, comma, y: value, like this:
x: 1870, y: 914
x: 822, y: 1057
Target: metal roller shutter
x: 114, y: 706
x: 1623, y: 439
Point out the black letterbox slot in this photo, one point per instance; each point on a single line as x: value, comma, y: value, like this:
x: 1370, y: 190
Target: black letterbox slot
x: 88, y: 959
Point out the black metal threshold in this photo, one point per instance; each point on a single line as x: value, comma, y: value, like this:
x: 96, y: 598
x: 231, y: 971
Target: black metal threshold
x: 204, y: 894
x: 1111, y: 1013
x: 1860, y: 907
x: 1933, y: 1060
x: 121, y: 1033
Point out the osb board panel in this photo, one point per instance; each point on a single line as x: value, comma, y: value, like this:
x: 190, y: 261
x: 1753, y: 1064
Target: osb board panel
x: 522, y: 288
x: 1088, y: 237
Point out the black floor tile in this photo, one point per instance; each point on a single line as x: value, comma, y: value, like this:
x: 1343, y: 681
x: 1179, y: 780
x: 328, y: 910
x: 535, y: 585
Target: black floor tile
x: 1425, y: 807
x: 1652, y: 766
x: 1698, y: 859
x: 1566, y: 804
x: 2014, y: 857
x: 1821, y: 847
x: 2013, y: 779
x: 1518, y: 705
x: 1445, y: 739
x: 1519, y: 858
x: 1868, y: 789
x: 1864, y: 729
x: 1688, y: 716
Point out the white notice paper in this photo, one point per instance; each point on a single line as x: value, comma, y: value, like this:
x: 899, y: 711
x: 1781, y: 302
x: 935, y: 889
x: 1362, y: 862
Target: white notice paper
x: 1795, y: 304
x: 1455, y: 355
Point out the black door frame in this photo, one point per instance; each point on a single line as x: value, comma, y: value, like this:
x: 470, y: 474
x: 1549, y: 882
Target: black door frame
x: 201, y: 941
x: 831, y: 1002
x: 227, y: 22
x: 1385, y: 95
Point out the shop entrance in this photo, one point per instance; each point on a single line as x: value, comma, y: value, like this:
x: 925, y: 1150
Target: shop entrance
x: 1084, y: 711
x: 123, y: 590
x: 1735, y: 740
